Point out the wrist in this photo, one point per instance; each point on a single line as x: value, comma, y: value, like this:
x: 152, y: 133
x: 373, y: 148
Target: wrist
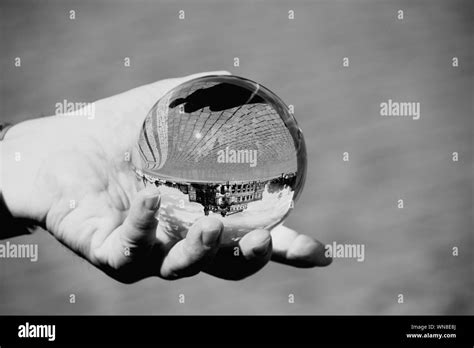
x: 19, y: 168
x: 11, y: 226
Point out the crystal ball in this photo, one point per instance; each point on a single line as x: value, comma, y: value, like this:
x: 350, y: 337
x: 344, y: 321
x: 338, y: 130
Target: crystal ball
x: 221, y: 146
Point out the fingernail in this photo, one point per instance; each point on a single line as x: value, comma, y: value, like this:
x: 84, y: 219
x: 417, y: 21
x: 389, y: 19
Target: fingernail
x: 152, y: 201
x: 262, y: 248
x: 210, y: 238
x: 211, y: 230
x: 323, y: 259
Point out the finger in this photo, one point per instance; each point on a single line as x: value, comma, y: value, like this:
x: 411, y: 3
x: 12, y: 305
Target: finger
x: 139, y: 228
x: 201, y: 74
x: 163, y: 86
x: 190, y: 255
x: 299, y: 250
x: 244, y: 258
x: 139, y: 100
x: 134, y: 238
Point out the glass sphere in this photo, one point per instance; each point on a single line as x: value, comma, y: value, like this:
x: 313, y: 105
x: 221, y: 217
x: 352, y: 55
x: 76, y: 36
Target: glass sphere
x: 222, y: 146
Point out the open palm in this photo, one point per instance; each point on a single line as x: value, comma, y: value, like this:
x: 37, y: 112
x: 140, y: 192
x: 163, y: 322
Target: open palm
x: 80, y: 187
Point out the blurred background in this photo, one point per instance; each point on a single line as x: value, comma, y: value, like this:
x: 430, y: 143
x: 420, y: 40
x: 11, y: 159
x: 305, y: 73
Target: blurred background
x: 407, y: 251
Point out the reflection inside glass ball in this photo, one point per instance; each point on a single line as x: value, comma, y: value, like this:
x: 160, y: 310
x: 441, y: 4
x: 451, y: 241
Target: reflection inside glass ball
x: 221, y: 146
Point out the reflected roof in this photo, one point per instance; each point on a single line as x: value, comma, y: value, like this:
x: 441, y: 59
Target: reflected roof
x: 187, y: 130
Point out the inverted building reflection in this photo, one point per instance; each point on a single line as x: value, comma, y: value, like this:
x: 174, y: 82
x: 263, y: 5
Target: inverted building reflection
x: 224, y: 197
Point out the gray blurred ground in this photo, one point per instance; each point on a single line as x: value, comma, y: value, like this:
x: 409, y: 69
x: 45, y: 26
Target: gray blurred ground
x: 408, y: 251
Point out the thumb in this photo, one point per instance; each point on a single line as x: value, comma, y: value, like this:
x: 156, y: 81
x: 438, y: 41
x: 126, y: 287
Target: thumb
x: 139, y: 228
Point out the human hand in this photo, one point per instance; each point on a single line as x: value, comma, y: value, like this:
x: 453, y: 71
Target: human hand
x: 71, y: 175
